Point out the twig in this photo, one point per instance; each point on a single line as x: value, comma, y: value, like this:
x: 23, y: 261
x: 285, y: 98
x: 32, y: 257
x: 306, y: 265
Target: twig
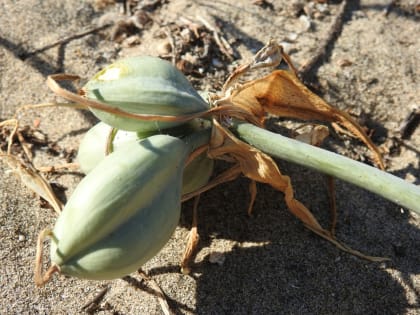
x: 389, y: 7
x: 94, y: 303
x: 25, y: 148
x: 66, y: 40
x: 223, y: 44
x: 158, y: 293
x: 410, y: 123
x: 172, y: 43
x: 55, y: 168
x: 333, y: 33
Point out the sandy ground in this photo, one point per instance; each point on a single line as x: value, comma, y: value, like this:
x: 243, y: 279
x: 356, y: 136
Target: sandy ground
x: 272, y: 264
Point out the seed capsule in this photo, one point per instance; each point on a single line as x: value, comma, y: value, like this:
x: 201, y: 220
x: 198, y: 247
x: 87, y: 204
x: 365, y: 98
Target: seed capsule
x: 123, y: 212
x: 143, y: 85
x: 92, y: 150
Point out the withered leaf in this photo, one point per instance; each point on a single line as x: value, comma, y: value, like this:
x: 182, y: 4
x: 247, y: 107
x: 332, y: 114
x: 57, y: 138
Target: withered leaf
x: 260, y: 167
x: 282, y: 94
x: 34, y: 181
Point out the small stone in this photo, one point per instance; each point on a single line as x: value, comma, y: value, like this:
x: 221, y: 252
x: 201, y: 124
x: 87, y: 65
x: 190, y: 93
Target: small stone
x: 306, y: 22
x: 292, y: 37
x: 164, y: 48
x: 322, y: 7
x: 217, y: 258
x: 344, y: 63
x: 131, y: 41
x: 216, y: 63
x: 410, y: 178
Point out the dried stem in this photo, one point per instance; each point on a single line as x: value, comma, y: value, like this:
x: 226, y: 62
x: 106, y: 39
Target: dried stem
x: 193, y: 239
x: 158, y: 293
x: 321, y: 52
x: 52, y: 83
x: 41, y: 279
x: 66, y: 40
x: 224, y: 177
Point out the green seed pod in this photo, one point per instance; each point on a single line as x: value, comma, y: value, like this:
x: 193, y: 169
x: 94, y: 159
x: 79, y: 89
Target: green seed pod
x: 197, y: 173
x: 123, y: 212
x: 143, y: 85
x: 92, y: 150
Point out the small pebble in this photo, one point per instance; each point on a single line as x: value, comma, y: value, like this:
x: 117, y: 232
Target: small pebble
x: 217, y: 258
x: 344, y: 63
x: 306, y: 22
x: 410, y: 178
x: 287, y: 47
x: 322, y: 7
x: 216, y: 63
x: 292, y: 37
x: 131, y: 41
x: 164, y: 48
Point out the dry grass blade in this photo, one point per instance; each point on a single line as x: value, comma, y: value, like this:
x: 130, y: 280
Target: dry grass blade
x: 15, y: 123
x: 93, y: 304
x: 41, y: 279
x: 158, y: 293
x: 221, y: 41
x: 55, y: 168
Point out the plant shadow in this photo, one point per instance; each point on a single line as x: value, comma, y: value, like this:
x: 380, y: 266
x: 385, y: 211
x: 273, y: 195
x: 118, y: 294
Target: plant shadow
x: 278, y: 267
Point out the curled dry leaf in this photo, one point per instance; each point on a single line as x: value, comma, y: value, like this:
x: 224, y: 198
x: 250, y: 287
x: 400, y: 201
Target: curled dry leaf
x: 282, y: 94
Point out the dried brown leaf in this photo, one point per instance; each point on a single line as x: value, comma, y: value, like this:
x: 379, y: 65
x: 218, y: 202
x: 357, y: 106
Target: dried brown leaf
x: 259, y: 167
x: 282, y: 94
x: 34, y: 181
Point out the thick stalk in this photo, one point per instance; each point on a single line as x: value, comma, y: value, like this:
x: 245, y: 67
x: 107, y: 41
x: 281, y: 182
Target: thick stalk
x: 379, y: 182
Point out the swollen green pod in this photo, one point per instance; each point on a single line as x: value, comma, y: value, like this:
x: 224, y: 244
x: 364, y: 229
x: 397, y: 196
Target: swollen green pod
x: 143, y: 85
x: 92, y: 150
x: 197, y: 173
x: 123, y: 212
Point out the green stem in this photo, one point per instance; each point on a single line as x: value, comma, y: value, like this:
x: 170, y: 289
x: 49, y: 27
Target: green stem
x: 384, y: 184
x: 198, y: 138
